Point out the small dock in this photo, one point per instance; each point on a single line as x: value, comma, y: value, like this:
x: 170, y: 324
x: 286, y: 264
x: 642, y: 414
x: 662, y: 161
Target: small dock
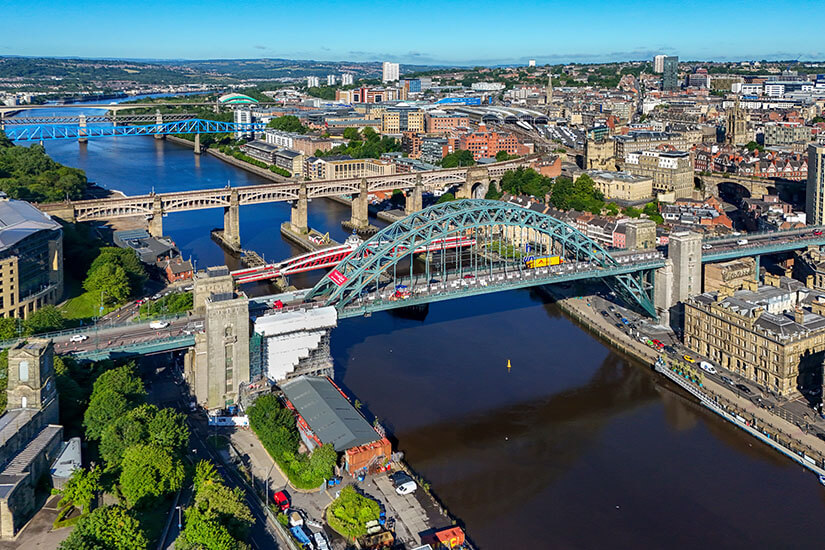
x: 311, y: 241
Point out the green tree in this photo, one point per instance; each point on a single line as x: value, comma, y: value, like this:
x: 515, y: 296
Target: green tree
x: 446, y: 197
x: 46, y: 319
x: 28, y: 173
x: 579, y: 195
x: 205, y: 472
x: 493, y: 194
x: 9, y: 327
x: 631, y: 212
x: 149, y: 471
x: 753, y: 146
x: 351, y: 134
x: 142, y: 425
x: 350, y: 512
x: 73, y: 395
x: 111, y: 281
x: 114, y: 393
x: 126, y: 258
x: 526, y: 181
x: 612, y: 209
x: 107, y: 528
x: 288, y: 123
x: 81, y: 489
x: 458, y: 158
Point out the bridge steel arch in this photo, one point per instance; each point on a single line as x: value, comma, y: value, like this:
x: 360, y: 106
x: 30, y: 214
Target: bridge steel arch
x: 385, y: 249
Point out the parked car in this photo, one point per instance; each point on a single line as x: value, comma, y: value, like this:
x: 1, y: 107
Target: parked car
x: 707, y: 246
x: 281, y: 501
x: 158, y: 324
x: 689, y: 359
x: 741, y: 242
x: 320, y: 541
x: 727, y: 381
x: 658, y: 344
x: 817, y: 232
x: 78, y: 338
x: 403, y: 483
x: 670, y: 349
x: 743, y: 388
x: 707, y: 367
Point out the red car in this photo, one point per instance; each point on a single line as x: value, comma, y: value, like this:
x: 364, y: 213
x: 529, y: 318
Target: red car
x: 278, y: 304
x: 817, y: 232
x: 281, y: 501
x: 658, y: 344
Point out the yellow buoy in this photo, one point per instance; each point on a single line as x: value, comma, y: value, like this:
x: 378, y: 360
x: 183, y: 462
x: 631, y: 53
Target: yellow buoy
x: 508, y: 365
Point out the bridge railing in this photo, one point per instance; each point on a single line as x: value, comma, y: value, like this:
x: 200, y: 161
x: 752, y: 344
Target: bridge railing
x: 86, y: 329
x: 808, y: 229
x: 159, y: 344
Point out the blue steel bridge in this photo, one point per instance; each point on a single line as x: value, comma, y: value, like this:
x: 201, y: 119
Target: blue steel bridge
x: 46, y: 132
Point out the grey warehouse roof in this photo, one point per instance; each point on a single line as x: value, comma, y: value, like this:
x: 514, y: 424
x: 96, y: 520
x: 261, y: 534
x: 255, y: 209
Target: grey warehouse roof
x: 332, y: 418
x: 19, y: 219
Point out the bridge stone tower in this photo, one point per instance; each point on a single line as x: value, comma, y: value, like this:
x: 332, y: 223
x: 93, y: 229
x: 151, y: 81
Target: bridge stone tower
x: 221, y: 355
x: 31, y: 382
x: 685, y: 251
x: 232, y: 221
x: 156, y: 222
x: 81, y: 128
x: 360, y: 207
x: 298, y: 217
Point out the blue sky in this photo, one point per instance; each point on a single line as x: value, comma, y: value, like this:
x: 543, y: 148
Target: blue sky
x: 421, y: 31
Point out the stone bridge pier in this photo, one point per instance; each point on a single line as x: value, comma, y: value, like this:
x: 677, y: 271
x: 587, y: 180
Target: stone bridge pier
x: 415, y: 197
x: 360, y: 207
x: 232, y: 221
x: 476, y: 185
x: 81, y: 129
x: 159, y: 120
x: 298, y: 218
x: 197, y: 144
x: 156, y: 222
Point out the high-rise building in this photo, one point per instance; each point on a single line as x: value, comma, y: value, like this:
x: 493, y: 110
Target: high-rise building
x: 670, y: 73
x: 659, y: 64
x: 313, y: 82
x: 815, y: 192
x: 331, y: 80
x: 390, y: 72
x: 346, y: 79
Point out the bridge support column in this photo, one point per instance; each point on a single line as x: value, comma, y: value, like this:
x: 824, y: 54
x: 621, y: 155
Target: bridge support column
x: 415, y: 198
x: 477, y: 183
x: 114, y: 119
x: 81, y: 129
x: 360, y: 207
x: 757, y: 266
x: 197, y: 144
x: 159, y: 120
x: 156, y: 223
x: 298, y: 219
x: 231, y: 221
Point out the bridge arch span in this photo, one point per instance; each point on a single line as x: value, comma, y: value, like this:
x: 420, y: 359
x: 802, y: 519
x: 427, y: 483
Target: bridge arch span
x: 496, y: 229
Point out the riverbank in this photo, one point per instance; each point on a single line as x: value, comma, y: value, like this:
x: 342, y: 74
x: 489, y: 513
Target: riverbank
x: 268, y: 174
x: 780, y: 434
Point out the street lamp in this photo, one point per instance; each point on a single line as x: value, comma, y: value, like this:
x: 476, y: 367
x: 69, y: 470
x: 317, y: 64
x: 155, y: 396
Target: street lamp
x: 266, y: 485
x: 180, y: 517
x: 97, y: 320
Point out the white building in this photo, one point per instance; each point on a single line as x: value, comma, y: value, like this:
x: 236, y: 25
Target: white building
x: 531, y: 63
x: 659, y: 64
x: 313, y: 82
x: 347, y: 79
x: 331, y: 80
x: 391, y: 72
x: 243, y: 116
x: 488, y: 86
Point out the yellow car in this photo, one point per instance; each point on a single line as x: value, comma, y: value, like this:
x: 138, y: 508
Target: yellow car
x: 689, y: 359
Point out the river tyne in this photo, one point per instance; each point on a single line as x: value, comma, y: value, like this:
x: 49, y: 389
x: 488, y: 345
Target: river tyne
x: 575, y: 447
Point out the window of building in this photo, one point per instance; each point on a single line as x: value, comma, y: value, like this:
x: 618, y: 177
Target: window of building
x: 23, y: 371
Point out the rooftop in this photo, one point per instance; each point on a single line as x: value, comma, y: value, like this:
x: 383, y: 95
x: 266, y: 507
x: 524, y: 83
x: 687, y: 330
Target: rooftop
x: 19, y: 219
x: 328, y: 413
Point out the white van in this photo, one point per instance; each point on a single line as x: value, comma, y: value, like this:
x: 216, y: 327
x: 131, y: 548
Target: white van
x: 707, y: 367
x: 158, y: 324
x: 740, y: 242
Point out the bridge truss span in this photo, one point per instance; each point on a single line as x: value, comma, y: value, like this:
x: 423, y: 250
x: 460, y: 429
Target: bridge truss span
x: 512, y: 247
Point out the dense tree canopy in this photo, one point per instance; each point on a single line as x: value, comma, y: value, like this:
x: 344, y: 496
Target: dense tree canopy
x: 526, y: 181
x: 114, y: 393
x: 288, y: 123
x: 46, y: 319
x: 126, y: 258
x: 367, y: 144
x: 28, y: 173
x: 149, y: 471
x: 81, y: 489
x: 579, y: 195
x: 107, y: 528
x: 145, y: 424
x: 458, y: 158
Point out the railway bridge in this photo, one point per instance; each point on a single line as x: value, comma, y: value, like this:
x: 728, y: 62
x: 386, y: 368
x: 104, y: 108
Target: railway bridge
x: 473, y: 181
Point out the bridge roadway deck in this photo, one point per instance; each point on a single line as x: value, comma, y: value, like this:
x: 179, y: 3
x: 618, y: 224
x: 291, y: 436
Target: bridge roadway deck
x: 424, y: 292
x: 727, y: 248
x: 180, y: 201
x: 92, y: 119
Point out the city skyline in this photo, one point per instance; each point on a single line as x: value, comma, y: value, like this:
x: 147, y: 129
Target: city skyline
x: 556, y: 32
